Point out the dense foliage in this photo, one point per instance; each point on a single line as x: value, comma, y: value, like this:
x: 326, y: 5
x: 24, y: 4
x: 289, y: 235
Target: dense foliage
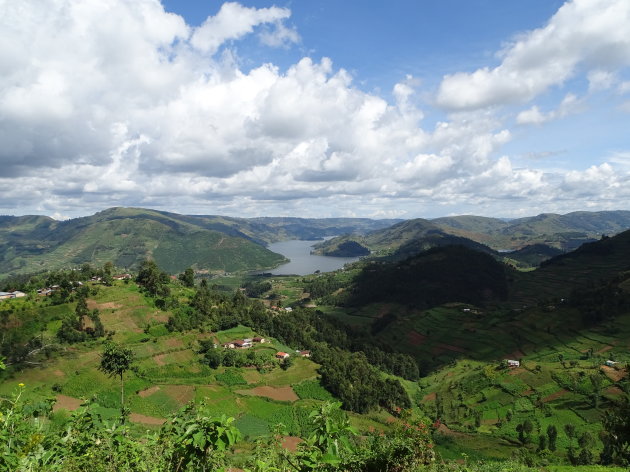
x: 437, y: 276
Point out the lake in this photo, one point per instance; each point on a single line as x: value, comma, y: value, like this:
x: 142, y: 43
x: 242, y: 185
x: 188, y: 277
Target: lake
x: 302, y: 261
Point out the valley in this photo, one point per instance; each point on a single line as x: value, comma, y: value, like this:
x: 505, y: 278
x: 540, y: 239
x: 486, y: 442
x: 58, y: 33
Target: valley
x: 427, y: 330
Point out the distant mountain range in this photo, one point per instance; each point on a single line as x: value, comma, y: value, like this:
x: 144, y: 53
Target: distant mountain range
x: 125, y: 236
x: 214, y: 243
x: 525, y: 241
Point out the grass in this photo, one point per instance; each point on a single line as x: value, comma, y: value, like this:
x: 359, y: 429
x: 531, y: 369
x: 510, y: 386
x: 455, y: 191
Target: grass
x: 312, y: 389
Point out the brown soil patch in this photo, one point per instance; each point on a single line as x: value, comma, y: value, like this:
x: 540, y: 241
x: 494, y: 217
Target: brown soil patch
x: 449, y: 432
x: 450, y: 347
x: 430, y: 397
x: 556, y: 395
x: 275, y: 393
x: 415, y: 338
x: 159, y: 359
x: 384, y: 310
x: 103, y: 306
x: 290, y: 443
x: 518, y: 354
x: 58, y: 373
x: 138, y: 418
x: 528, y: 392
x: 149, y: 391
x: 614, y: 374
x: 604, y: 349
x: 174, y: 342
x: 65, y: 402
x: 614, y: 391
x: 182, y: 394
x: 516, y: 371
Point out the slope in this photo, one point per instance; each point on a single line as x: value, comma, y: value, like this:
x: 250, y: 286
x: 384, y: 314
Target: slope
x: 125, y: 236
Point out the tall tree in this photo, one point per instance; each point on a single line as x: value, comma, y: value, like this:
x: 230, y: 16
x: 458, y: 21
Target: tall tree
x: 188, y: 277
x: 153, y: 279
x: 115, y: 361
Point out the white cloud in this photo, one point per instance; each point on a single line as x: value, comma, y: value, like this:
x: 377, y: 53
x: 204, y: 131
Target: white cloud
x: 235, y: 21
x: 533, y: 116
x: 587, y: 33
x: 600, y: 80
x: 120, y: 103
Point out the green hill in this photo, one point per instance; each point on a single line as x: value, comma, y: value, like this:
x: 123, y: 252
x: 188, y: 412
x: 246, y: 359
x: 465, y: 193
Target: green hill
x: 565, y: 232
x: 579, y: 269
x: 125, y: 236
x: 399, y: 240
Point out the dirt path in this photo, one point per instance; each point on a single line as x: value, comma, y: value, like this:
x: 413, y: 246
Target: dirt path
x: 275, y: 393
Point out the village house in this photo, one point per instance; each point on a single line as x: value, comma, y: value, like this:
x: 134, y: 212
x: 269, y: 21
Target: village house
x: 122, y: 277
x: 228, y: 345
x: 15, y: 294
x: 281, y: 355
x: 305, y: 353
x: 610, y: 363
x: 258, y: 339
x: 513, y: 363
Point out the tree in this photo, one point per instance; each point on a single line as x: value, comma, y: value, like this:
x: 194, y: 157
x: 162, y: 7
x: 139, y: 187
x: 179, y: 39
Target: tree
x: 552, y: 434
x: 188, y: 277
x: 153, y: 279
x: 616, y: 435
x: 115, y: 361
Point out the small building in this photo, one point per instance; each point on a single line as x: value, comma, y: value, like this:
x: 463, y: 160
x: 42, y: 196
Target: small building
x: 513, y: 363
x: 18, y: 294
x: 258, y: 339
x: 305, y: 353
x: 5, y: 295
x: 281, y: 355
x: 610, y: 363
x: 228, y: 345
x: 122, y: 277
x: 241, y: 343
x: 288, y: 309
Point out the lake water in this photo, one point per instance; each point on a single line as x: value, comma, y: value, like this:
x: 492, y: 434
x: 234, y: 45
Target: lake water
x: 302, y: 261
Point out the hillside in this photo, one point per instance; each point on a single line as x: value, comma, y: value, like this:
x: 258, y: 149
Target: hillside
x: 125, y: 236
x: 436, y: 276
x: 588, y: 265
x: 399, y: 240
x: 565, y: 232
x: 468, y: 393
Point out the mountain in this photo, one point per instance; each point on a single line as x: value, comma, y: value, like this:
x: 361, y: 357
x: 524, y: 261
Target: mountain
x: 399, y: 240
x: 565, y: 232
x: 589, y: 264
x: 125, y: 236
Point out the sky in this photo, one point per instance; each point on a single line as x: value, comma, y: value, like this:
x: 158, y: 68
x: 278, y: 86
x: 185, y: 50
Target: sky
x: 315, y: 108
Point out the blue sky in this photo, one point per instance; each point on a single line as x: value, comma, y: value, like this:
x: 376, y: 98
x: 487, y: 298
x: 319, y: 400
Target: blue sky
x: 315, y: 108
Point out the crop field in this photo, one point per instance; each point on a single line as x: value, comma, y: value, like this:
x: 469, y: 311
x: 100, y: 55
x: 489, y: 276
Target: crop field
x: 168, y: 373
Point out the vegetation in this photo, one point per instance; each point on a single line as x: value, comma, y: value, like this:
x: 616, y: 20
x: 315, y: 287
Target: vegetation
x: 411, y: 350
